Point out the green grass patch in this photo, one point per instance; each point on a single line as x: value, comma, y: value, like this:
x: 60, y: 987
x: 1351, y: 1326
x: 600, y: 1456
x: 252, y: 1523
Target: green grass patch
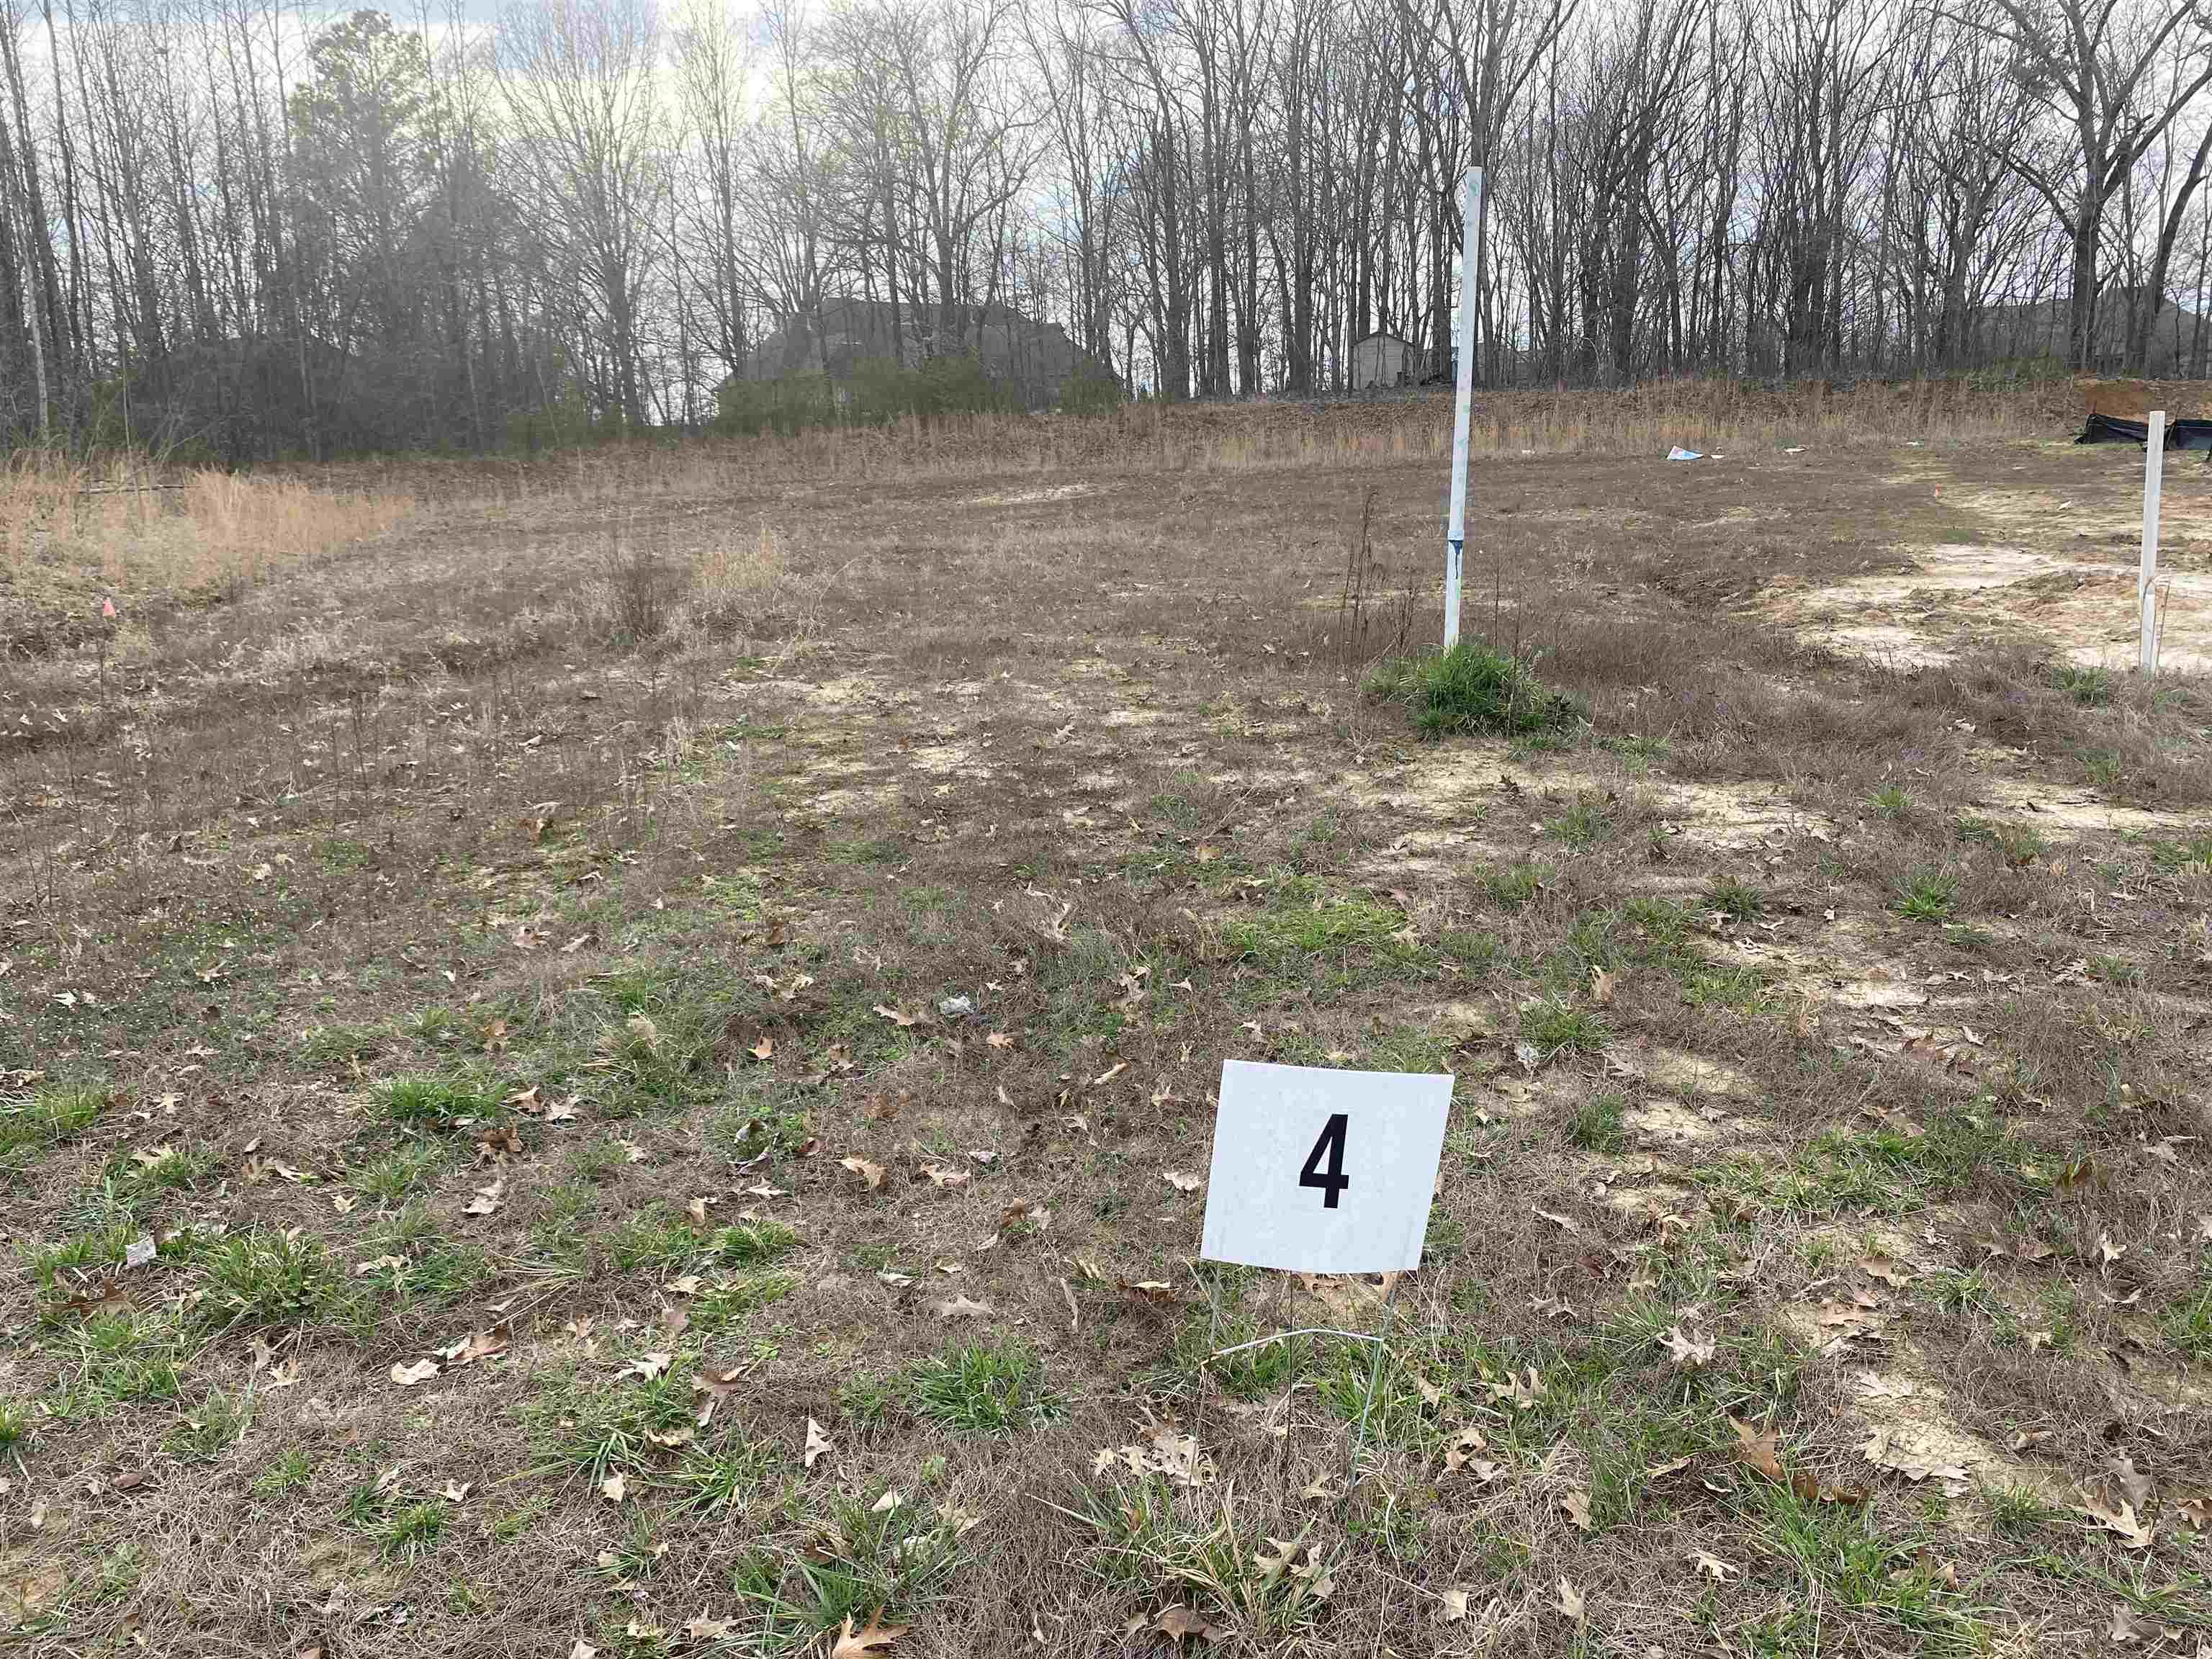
x: 1927, y: 893
x: 1600, y: 1121
x: 45, y: 1120
x: 2188, y: 1324
x: 389, y: 1178
x: 2019, y: 843
x: 211, y: 1430
x: 267, y: 1277
x: 411, y: 1531
x: 1739, y: 901
x: 1555, y: 1027
x: 592, y: 1427
x: 1725, y: 985
x: 120, y: 1359
x: 983, y: 1390
x: 434, y: 1101
x: 1470, y: 689
x: 2090, y: 687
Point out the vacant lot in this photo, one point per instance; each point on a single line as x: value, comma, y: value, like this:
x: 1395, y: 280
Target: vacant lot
x: 624, y: 1060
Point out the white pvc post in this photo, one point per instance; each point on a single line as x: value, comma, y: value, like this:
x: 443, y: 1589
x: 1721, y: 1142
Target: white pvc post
x: 1470, y: 207
x: 2146, y: 583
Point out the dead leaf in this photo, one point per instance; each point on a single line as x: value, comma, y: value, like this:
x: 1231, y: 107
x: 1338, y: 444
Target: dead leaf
x: 703, y: 1628
x: 582, y: 1649
x: 615, y: 1487
x: 938, y: 1175
x: 816, y: 1443
x: 487, y: 1200
x: 457, y: 1492
x: 1601, y: 986
x: 872, y: 1174
x: 2133, y: 1484
x: 1182, y: 1182
x: 899, y: 1017
x: 2128, y: 1625
x: 648, y: 1366
x: 1576, y: 1503
x: 1000, y: 1040
x: 1761, y: 1450
x: 1461, y: 1449
x: 1712, y: 1567
x: 479, y: 1345
x: 420, y: 1371
x: 1566, y: 1224
x: 1180, y: 1621
x: 961, y: 1307
x: 1890, y: 1272
x: 764, y: 1049
x: 856, y: 1645
x: 1166, y: 1451
x: 1569, y: 1601
x: 1689, y: 1353
x: 2198, y: 1511
x: 1454, y: 1601
x: 2119, y: 1518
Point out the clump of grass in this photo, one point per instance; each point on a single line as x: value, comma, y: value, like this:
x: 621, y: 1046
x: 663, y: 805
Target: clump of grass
x: 292, y: 1470
x: 2019, y: 843
x: 208, y: 1432
x: 2188, y: 1327
x: 1585, y: 823
x: 417, y: 1101
x: 392, y: 1177
x: 1739, y: 901
x: 48, y: 1118
x: 266, y: 1278
x: 1517, y: 884
x: 592, y: 1428
x: 1600, y: 1121
x: 411, y: 1531
x: 1553, y: 1027
x: 121, y: 1359
x: 1891, y: 801
x: 750, y: 1243
x: 983, y: 1390
x: 2091, y: 687
x: 14, y: 1426
x: 1927, y: 893
x: 177, y: 1169
x: 1732, y: 985
x: 1470, y: 689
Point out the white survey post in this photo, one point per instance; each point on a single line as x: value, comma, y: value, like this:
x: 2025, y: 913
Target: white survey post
x: 1323, y: 1171
x: 2147, y: 582
x: 1470, y: 207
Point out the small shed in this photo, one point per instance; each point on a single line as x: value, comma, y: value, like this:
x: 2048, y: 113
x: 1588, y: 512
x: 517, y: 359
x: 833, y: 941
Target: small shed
x: 1380, y: 360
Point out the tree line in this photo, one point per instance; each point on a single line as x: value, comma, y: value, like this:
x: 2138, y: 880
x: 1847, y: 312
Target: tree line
x: 238, y: 225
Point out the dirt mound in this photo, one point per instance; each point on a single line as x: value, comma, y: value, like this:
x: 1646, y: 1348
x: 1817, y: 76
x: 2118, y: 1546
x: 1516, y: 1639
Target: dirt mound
x: 2133, y: 400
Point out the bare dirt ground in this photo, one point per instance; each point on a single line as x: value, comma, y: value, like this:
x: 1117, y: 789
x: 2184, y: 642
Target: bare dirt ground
x: 495, y: 1163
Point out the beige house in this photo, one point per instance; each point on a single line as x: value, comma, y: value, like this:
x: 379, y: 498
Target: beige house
x: 1384, y: 359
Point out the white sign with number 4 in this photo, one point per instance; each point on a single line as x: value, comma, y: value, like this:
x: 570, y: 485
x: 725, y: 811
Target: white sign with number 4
x: 1320, y: 1171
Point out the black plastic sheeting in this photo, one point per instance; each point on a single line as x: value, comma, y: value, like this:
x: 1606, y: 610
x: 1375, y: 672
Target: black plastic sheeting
x: 2114, y: 430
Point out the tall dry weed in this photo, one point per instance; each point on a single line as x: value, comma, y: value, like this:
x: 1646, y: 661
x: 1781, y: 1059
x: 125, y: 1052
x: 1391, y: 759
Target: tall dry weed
x: 73, y: 533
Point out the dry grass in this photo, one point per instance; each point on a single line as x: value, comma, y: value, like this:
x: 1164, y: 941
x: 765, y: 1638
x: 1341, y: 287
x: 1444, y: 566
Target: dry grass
x: 418, y: 950
x: 150, y: 538
x: 1361, y: 432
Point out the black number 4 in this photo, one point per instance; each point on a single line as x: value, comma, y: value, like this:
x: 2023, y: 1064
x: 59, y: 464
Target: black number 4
x: 1332, y: 1179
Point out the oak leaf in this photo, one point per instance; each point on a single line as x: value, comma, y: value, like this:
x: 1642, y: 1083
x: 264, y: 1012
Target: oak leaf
x: 857, y: 1644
